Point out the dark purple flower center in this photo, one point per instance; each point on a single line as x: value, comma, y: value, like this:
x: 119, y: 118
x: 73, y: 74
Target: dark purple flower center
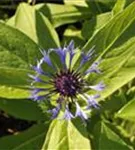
x: 68, y: 83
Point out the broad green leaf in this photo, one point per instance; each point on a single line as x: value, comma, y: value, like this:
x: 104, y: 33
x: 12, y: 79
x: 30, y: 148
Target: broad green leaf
x: 67, y: 136
x: 9, y: 91
x: 118, y: 68
x: 101, y: 6
x: 18, y: 45
x: 22, y: 108
x: 113, y: 30
x: 119, y: 6
x: 77, y: 3
x: 14, y: 76
x: 32, y: 138
x: 90, y: 27
x: 117, y: 49
x: 36, y: 26
x: 11, y: 21
x: 73, y: 33
x: 63, y: 14
x: 17, y: 52
x: 128, y: 111
x: 107, y: 3
x: 106, y: 139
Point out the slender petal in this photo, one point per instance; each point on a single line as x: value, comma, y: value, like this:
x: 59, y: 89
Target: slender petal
x: 40, y: 71
x: 94, y: 68
x: 37, y: 90
x: 91, y: 100
x: 71, y: 50
x: 55, y: 111
x: 39, y: 97
x: 37, y: 79
x: 46, y: 58
x: 62, y: 54
x: 98, y: 87
x: 87, y: 56
x: 80, y: 113
x: 67, y: 114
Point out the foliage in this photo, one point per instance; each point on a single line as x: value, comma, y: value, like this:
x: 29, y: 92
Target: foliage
x: 107, y: 25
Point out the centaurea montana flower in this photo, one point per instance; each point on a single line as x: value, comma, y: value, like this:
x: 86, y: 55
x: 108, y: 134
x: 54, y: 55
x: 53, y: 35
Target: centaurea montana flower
x: 64, y: 84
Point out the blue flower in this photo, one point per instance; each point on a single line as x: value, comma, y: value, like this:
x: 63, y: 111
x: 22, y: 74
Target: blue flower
x: 64, y: 84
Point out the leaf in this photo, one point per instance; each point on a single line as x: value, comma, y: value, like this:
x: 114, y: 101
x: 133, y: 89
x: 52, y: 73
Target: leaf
x: 112, y: 31
x: 8, y: 91
x: 36, y: 26
x: 63, y: 14
x: 118, y: 68
x: 64, y: 135
x: 17, y: 52
x: 90, y: 27
x: 11, y: 21
x: 22, y: 108
x: 107, y: 139
x: 30, y: 139
x: 77, y: 3
x: 127, y: 111
x: 18, y: 45
x: 14, y: 82
x: 109, y: 4
x: 117, y: 49
x: 73, y: 33
x: 119, y: 6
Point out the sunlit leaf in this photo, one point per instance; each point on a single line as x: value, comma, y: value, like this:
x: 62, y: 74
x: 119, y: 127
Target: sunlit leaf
x: 65, y: 135
x: 127, y: 111
x: 36, y: 26
x: 63, y: 14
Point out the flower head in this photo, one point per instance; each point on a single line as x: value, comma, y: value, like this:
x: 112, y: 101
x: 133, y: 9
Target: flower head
x: 65, y: 85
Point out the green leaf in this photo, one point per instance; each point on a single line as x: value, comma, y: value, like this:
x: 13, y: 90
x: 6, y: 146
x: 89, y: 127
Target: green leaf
x: 11, y: 21
x: 17, y: 52
x: 9, y: 91
x: 65, y: 135
x: 73, y: 33
x: 90, y: 27
x: 77, y: 3
x: 19, y: 46
x: 30, y: 139
x: 128, y: 111
x: 14, y: 82
x: 113, y: 31
x: 36, y: 26
x: 119, y: 6
x: 117, y: 50
x: 106, y: 139
x: 63, y: 14
x: 118, y: 68
x: 22, y: 108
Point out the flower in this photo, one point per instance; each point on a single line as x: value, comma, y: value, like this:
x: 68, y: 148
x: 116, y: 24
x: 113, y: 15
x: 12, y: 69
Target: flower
x: 63, y: 84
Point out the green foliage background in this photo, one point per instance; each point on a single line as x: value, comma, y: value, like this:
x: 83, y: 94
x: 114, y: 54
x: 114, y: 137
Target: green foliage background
x: 110, y: 26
